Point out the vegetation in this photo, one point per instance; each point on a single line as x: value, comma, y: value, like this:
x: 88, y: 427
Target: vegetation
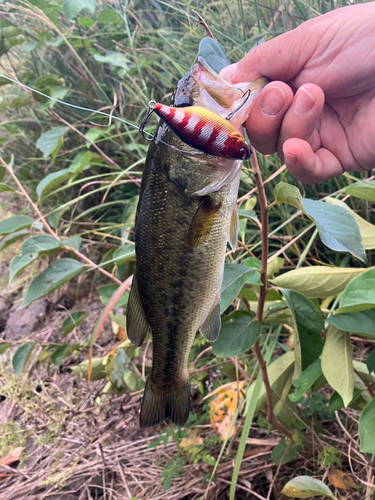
x: 295, y: 353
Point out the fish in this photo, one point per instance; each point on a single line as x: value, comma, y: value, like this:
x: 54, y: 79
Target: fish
x: 186, y: 214
x: 204, y: 130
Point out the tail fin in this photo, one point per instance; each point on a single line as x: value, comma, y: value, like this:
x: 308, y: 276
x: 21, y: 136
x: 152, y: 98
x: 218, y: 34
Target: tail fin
x: 158, y: 407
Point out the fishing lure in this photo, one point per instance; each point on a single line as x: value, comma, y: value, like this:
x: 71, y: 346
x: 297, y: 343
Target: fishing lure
x: 202, y: 129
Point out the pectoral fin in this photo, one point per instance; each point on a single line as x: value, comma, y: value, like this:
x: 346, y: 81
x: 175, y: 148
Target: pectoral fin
x: 202, y: 222
x: 137, y: 326
x: 211, y: 327
x: 234, y: 227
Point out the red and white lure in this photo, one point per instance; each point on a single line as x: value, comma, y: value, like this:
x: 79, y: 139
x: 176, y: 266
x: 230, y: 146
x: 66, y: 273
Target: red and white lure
x: 202, y: 129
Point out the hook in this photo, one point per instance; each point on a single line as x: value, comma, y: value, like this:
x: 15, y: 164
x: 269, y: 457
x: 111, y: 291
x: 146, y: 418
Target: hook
x: 150, y: 109
x: 245, y: 97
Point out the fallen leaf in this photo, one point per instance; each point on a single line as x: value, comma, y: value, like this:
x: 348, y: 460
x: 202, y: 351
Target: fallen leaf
x: 345, y: 479
x: 119, y: 331
x: 193, y: 438
x: 224, y: 407
x: 13, y: 456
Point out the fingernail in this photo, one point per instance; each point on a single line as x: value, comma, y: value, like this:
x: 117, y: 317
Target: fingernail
x: 290, y: 159
x: 304, y: 102
x: 273, y: 101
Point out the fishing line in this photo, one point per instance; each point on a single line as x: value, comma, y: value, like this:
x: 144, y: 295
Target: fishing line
x: 97, y: 112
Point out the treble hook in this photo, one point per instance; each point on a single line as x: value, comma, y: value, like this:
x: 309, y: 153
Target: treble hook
x: 248, y: 92
x: 150, y: 109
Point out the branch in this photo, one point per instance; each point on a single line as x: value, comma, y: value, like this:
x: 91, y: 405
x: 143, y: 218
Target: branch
x: 50, y: 230
x: 271, y: 418
x: 201, y: 21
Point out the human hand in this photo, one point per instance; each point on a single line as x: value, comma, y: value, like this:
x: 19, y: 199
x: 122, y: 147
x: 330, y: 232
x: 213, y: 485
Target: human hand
x: 331, y: 56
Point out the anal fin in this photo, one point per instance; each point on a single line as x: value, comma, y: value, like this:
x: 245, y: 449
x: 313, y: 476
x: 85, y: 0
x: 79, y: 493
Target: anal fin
x: 211, y: 327
x: 136, y: 323
x: 234, y: 227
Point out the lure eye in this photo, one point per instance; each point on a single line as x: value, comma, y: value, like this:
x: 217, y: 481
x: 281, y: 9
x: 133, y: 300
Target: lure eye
x: 243, y: 153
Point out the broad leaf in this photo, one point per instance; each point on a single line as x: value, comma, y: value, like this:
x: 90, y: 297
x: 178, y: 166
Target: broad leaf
x: 72, y: 321
x: 363, y: 190
x: 361, y: 323
x: 109, y: 16
x: 367, y: 428
x: 306, y: 487
x: 359, y: 295
x: 309, y: 324
x: 21, y: 356
x: 285, y: 193
x: 306, y: 380
x: 338, y: 229
x: 337, y: 363
x: 239, y: 331
x: 97, y: 371
x: 317, y: 282
x: 4, y: 346
x: 73, y: 242
x: 279, y: 372
x: 113, y: 58
x: 235, y: 276
x: 58, y: 355
x: 57, y: 274
x: 247, y: 214
x: 124, y: 254
x: 80, y: 161
x: 5, y: 187
x: 106, y: 291
x: 12, y: 237
x: 74, y: 7
x: 336, y: 402
x: 213, y: 53
x: 370, y: 361
x: 116, y: 368
x: 48, y: 81
x: 278, y: 453
x: 31, y: 249
x: 53, y: 180
x: 51, y: 140
x: 366, y: 229
x: 15, y: 223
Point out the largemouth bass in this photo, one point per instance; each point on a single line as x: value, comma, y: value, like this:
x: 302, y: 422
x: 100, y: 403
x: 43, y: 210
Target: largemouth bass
x: 187, y: 213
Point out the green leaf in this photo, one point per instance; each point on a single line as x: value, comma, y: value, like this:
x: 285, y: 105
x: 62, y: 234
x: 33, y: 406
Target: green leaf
x: 370, y: 361
x: 58, y: 355
x: 74, y: 7
x: 31, y: 249
x: 52, y: 180
x: 239, y: 331
x: 247, y: 214
x: 360, y: 323
x: 87, y: 22
x: 213, y: 53
x: 279, y: 372
x: 363, y: 190
x: 337, y: 228
x: 337, y: 363
x: 274, y: 267
x: 317, y: 282
x: 306, y: 380
x: 306, y: 487
x: 131, y: 380
x: 48, y: 81
x: 80, y: 161
x: 113, y: 58
x: 73, y: 242
x: 252, y: 262
x: 57, y: 274
x: 72, y: 321
x: 12, y: 237
x: 235, y: 276
x: 109, y: 16
x: 15, y: 223
x: 366, y: 229
x: 309, y: 323
x: 336, y: 402
x: 21, y: 356
x: 285, y: 193
x: 106, y: 291
x: 367, y: 428
x: 4, y: 347
x: 93, y: 134
x: 359, y: 295
x: 98, y: 370
x: 5, y: 187
x: 20, y: 102
x: 116, y: 368
x: 51, y: 140
x: 119, y: 319
x: 124, y: 254
x: 279, y: 450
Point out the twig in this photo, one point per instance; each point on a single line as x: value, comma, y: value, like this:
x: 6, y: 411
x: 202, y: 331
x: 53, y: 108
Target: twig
x: 366, y: 382
x: 271, y: 418
x: 201, y: 21
x: 50, y: 230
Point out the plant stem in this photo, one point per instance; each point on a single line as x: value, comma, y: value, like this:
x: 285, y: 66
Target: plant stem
x: 50, y: 230
x: 271, y: 418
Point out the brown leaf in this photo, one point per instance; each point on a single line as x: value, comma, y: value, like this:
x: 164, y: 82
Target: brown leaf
x: 342, y: 480
x: 13, y: 456
x: 119, y: 331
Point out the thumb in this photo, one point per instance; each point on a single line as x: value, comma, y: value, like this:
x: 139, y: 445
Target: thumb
x: 278, y: 59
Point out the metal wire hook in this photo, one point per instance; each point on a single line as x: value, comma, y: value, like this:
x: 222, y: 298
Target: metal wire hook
x: 245, y: 97
x: 150, y: 109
